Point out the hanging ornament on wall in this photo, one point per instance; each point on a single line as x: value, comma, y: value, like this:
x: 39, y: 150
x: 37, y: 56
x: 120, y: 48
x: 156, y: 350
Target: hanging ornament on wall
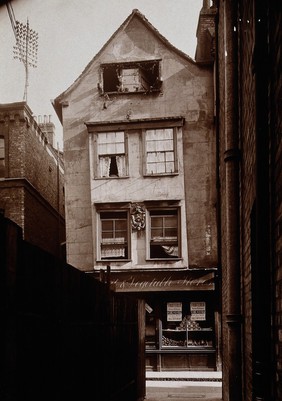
x: 138, y: 219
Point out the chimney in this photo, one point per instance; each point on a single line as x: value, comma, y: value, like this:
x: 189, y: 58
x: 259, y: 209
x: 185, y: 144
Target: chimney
x: 206, y: 34
x: 48, y: 128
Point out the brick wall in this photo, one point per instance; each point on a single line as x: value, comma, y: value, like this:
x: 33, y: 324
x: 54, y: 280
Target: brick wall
x: 248, y: 179
x: 31, y: 193
x: 259, y: 123
x: 276, y: 120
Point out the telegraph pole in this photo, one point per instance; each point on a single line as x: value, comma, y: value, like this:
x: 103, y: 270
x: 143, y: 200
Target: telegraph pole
x: 26, y: 47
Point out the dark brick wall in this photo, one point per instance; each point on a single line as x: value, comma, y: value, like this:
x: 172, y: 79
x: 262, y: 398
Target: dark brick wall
x: 259, y: 122
x: 58, y: 322
x: 247, y: 115
x: 31, y: 194
x: 276, y: 128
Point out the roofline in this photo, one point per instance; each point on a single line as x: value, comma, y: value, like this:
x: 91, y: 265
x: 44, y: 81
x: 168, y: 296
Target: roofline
x: 135, y: 12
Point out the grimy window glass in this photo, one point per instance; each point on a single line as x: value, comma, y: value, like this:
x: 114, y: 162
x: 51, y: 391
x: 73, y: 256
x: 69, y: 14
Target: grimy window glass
x: 114, y: 235
x: 164, y: 234
x: 160, y: 154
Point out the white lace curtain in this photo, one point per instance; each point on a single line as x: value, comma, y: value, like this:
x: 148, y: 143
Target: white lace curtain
x: 105, y: 164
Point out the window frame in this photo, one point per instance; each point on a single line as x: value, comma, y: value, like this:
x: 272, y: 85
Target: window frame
x: 117, y: 213
x: 119, y: 67
x: 164, y: 211
x: 96, y: 164
x: 145, y: 152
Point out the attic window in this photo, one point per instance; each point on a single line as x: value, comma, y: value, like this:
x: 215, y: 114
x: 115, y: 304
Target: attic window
x: 134, y: 77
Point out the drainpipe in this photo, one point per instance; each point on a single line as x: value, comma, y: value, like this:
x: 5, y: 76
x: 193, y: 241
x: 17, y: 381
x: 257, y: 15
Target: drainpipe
x: 232, y: 215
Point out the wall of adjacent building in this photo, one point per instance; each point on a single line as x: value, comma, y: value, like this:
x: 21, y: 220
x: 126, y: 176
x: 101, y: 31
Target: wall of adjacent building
x: 31, y: 193
x: 249, y: 58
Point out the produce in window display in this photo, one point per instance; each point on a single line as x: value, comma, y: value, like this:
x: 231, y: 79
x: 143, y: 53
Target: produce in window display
x: 188, y: 324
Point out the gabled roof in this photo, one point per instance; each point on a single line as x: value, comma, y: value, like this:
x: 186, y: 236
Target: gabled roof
x: 135, y: 13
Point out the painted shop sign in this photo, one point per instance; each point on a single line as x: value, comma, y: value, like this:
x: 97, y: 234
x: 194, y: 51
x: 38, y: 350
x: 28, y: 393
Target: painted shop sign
x: 166, y: 282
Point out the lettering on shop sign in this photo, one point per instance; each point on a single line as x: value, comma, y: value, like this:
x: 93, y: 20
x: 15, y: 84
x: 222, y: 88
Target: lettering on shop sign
x: 166, y: 283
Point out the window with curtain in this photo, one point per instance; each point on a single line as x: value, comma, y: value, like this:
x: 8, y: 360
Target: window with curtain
x: 164, y: 234
x: 111, y: 151
x: 114, y: 235
x: 160, y: 151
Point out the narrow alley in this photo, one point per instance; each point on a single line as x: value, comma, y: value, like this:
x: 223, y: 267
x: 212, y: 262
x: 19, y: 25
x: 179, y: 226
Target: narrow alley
x: 183, y: 386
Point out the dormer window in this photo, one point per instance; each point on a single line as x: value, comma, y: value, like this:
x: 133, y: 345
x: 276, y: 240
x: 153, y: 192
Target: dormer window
x: 131, y: 77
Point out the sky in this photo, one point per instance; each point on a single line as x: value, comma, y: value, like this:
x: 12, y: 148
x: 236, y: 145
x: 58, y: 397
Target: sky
x: 70, y: 34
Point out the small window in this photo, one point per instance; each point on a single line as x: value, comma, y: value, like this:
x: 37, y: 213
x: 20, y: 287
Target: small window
x: 141, y: 76
x: 160, y: 151
x: 114, y: 235
x: 164, y: 234
x: 111, y: 152
x: 2, y: 157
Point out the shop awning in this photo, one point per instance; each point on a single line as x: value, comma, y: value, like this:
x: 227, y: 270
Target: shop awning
x: 188, y: 280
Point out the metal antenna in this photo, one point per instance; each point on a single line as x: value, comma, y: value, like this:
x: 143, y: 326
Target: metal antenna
x: 26, y: 46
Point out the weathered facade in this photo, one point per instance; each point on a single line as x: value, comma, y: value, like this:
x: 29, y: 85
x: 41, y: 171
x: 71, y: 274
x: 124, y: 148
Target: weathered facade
x: 140, y: 173
x: 31, y: 178
x: 249, y: 127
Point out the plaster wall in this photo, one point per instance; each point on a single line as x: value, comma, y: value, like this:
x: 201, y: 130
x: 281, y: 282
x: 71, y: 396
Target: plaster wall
x: 187, y: 91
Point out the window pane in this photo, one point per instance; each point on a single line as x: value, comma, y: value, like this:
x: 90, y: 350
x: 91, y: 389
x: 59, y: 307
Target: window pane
x: 110, y: 143
x: 151, y: 168
x: 168, y: 144
x: 110, y: 137
x: 170, y: 167
x: 161, y: 168
x: 168, y: 133
x: 160, y: 151
x: 2, y: 168
x: 164, y: 234
x: 151, y: 146
x: 121, y: 224
x: 169, y: 156
x: 119, y: 148
x: 2, y: 148
x: 111, y: 149
x: 107, y: 225
x: 151, y: 157
x: 156, y: 221
x: 159, y: 134
x: 114, y: 235
x: 102, y: 148
x: 170, y: 232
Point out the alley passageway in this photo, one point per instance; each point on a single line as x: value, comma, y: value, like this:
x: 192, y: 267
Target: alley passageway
x: 183, y: 386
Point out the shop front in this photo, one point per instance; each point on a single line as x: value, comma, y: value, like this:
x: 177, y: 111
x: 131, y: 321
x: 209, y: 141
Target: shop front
x: 182, y: 318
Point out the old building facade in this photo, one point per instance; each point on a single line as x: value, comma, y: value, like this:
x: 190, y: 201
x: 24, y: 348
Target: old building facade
x: 140, y: 170
x: 31, y: 177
